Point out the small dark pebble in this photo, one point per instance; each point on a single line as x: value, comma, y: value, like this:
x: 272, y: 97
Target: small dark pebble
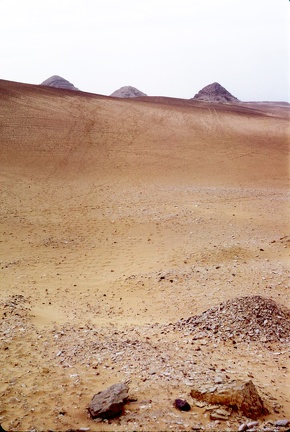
x: 181, y: 404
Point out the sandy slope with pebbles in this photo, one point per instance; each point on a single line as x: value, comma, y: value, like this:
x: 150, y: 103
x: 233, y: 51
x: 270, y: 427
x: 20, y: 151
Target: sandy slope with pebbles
x: 118, y: 219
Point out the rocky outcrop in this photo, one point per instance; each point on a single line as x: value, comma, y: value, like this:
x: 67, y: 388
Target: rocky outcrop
x: 238, y: 395
x: 215, y: 93
x: 127, y: 92
x: 109, y: 403
x: 58, y: 82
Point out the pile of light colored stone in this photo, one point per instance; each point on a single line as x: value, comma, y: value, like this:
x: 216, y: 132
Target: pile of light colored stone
x: 244, y: 319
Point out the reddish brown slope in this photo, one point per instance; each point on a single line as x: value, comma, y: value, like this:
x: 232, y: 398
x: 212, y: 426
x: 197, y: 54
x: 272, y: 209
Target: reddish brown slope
x: 62, y: 134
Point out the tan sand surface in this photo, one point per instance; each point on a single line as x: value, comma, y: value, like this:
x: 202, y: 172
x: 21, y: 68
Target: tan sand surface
x: 118, y: 218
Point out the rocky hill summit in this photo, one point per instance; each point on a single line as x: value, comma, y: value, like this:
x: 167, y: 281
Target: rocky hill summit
x: 59, y: 82
x: 127, y: 92
x: 215, y: 93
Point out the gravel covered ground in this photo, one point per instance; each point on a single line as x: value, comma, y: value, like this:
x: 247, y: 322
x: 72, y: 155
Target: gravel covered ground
x: 144, y: 240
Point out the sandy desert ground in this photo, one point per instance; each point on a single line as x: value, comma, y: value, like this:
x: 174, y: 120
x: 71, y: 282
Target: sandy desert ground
x: 118, y: 219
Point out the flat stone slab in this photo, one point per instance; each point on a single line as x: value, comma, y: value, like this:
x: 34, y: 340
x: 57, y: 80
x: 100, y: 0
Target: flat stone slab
x: 239, y: 395
x: 109, y: 403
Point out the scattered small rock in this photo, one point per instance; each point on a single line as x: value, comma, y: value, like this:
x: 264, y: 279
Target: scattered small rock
x: 200, y: 404
x: 84, y: 429
x: 252, y: 424
x: 282, y: 423
x: 218, y: 380
x: 220, y: 414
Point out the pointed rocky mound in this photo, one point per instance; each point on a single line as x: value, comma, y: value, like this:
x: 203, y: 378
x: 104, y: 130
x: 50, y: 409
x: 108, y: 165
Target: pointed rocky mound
x: 215, y: 93
x: 244, y: 319
x: 58, y: 82
x: 127, y: 92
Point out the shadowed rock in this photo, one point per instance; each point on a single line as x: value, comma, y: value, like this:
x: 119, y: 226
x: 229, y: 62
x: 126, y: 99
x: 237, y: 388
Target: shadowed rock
x: 182, y: 405
x: 109, y: 403
x: 215, y: 93
x: 238, y: 395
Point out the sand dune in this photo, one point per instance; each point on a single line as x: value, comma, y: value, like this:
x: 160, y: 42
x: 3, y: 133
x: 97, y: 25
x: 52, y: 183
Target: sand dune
x: 119, y: 217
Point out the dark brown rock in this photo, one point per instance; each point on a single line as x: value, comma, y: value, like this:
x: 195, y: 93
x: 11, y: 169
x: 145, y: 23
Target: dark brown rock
x: 182, y: 405
x: 240, y: 396
x: 109, y: 403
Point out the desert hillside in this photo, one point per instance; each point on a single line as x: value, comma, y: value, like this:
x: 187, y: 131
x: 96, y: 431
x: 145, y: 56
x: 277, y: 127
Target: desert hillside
x: 122, y: 222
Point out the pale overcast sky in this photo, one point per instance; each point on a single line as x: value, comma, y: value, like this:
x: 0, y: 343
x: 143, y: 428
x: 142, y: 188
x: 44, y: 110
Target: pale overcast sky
x: 162, y: 47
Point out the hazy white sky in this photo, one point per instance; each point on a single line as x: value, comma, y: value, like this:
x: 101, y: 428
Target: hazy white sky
x: 162, y: 47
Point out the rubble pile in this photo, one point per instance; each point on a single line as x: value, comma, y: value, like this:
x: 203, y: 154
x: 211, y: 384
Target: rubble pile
x: 243, y: 319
